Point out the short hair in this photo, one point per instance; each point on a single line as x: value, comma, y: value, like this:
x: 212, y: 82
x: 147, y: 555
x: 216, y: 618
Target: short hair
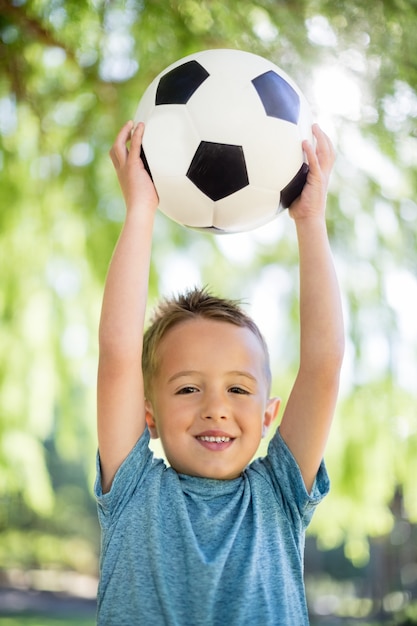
x: 192, y: 304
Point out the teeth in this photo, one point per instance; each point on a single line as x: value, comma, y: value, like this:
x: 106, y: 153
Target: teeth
x: 215, y: 439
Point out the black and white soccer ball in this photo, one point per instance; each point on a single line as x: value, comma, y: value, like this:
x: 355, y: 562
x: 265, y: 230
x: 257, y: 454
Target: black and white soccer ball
x: 222, y: 141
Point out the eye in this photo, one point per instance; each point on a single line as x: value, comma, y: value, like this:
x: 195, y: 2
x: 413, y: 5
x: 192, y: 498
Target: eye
x: 186, y: 390
x: 239, y: 390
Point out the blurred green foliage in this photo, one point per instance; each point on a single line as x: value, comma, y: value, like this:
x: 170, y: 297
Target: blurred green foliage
x: 71, y: 73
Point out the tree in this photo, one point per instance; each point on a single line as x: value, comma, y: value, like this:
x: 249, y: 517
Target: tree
x: 72, y: 73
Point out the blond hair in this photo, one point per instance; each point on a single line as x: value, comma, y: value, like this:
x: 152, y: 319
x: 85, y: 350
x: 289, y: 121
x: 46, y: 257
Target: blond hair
x: 195, y: 303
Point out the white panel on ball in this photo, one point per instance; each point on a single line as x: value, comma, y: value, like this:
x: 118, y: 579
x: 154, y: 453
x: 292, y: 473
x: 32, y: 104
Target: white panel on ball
x: 172, y: 128
x: 278, y: 138
x: 195, y: 209
x: 232, y: 216
x: 226, y: 117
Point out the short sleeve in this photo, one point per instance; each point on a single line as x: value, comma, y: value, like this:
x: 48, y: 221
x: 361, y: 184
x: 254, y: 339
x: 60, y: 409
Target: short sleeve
x: 288, y: 481
x: 127, y: 479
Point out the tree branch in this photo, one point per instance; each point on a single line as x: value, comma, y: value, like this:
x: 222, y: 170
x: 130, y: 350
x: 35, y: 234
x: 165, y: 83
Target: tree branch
x: 32, y: 27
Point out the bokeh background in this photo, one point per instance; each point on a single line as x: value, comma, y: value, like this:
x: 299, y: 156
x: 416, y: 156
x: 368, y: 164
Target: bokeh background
x: 71, y: 73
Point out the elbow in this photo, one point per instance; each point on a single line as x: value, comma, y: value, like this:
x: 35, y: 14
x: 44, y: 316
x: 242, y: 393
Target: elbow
x: 324, y: 360
x: 332, y: 360
x: 115, y: 343
x: 339, y: 352
x: 331, y: 367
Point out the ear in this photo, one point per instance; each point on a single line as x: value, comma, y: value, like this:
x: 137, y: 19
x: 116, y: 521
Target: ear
x: 271, y: 413
x: 150, y: 420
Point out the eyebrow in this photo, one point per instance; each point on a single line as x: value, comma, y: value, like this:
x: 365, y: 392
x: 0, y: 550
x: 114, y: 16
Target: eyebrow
x: 186, y: 373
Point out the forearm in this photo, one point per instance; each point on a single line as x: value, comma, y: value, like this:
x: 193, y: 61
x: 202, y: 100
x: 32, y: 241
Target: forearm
x: 125, y: 294
x: 321, y: 320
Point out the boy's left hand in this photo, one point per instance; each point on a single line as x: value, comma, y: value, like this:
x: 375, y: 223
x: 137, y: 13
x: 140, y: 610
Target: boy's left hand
x: 312, y: 200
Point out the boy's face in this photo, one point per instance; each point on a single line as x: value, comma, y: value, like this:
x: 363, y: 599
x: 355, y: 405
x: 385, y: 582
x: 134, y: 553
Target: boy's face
x: 210, y: 399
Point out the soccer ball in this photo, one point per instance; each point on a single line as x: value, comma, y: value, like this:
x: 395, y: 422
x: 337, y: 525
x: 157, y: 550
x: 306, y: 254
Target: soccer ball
x: 222, y: 141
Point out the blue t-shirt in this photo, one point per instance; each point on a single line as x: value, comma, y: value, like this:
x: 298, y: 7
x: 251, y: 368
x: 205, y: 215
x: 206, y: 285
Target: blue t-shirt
x: 179, y: 550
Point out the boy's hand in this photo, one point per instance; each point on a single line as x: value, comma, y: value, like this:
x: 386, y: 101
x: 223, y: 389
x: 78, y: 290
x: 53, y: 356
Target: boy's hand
x: 135, y: 182
x: 312, y: 201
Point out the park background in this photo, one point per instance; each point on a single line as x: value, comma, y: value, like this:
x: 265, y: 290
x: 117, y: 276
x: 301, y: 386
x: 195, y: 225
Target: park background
x: 71, y: 73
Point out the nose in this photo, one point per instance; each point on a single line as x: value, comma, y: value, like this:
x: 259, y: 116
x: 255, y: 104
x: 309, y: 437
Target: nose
x: 214, y: 407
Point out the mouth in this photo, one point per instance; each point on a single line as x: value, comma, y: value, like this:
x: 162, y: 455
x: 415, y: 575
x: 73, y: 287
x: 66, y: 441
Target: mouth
x: 214, y: 439
x: 216, y: 442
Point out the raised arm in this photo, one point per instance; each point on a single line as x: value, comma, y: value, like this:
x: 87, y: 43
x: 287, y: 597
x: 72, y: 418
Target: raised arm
x: 120, y: 395
x: 308, y: 415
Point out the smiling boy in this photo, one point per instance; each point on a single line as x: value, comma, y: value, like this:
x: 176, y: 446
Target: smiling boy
x: 213, y: 539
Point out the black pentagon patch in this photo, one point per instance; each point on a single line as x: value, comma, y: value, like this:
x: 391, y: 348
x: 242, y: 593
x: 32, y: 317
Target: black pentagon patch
x: 178, y: 85
x: 209, y: 229
x: 218, y: 169
x: 294, y: 187
x: 145, y: 162
x: 278, y: 97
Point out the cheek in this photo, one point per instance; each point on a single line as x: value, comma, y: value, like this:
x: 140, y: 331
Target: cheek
x: 172, y: 419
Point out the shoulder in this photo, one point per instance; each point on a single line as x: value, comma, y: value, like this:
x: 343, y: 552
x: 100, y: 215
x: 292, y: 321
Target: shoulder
x: 138, y: 466
x: 283, y: 480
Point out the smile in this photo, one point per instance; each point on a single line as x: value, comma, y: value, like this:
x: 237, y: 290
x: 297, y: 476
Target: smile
x: 214, y: 439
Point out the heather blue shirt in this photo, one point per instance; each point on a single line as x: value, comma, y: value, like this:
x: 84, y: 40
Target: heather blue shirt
x: 179, y: 550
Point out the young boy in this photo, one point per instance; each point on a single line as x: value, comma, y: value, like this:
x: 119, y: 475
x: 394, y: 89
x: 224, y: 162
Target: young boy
x: 212, y: 540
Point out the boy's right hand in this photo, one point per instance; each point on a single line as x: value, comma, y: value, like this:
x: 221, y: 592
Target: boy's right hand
x: 312, y: 200
x: 137, y: 187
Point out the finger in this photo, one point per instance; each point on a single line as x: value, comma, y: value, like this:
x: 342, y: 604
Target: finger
x: 321, y: 162
x: 119, y: 151
x: 310, y: 154
x: 324, y: 145
x: 137, y: 136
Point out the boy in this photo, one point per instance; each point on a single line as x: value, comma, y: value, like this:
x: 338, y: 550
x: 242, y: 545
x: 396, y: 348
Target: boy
x: 212, y: 540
